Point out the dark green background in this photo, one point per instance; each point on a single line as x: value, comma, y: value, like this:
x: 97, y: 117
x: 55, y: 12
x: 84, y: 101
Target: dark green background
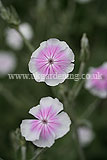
x: 66, y: 20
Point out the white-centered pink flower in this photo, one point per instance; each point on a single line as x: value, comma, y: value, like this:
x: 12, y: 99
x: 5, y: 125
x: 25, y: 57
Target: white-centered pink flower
x: 52, y: 62
x: 97, y: 82
x: 7, y: 63
x: 49, y: 123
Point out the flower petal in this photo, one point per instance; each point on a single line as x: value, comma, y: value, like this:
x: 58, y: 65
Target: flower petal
x: 56, y: 81
x: 53, y: 41
x: 96, y: 84
x: 39, y: 77
x: 69, y: 54
x: 43, y: 44
x: 88, y: 84
x: 104, y: 65
x: 70, y: 68
x: 96, y: 92
x: 36, y: 52
x: 32, y: 65
x: 56, y: 105
x: 34, y: 111
x: 30, y: 134
x: 65, y: 123
x: 46, y: 139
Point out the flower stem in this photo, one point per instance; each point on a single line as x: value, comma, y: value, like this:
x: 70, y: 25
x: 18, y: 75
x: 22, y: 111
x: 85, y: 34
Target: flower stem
x: 77, y: 142
x: 23, y: 151
x: 81, y: 70
x: 80, y: 150
x: 75, y: 126
x: 77, y: 84
x: 72, y: 96
x: 37, y: 153
x: 91, y: 108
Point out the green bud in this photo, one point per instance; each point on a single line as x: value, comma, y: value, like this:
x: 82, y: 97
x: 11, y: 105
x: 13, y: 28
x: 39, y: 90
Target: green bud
x: 17, y: 139
x: 9, y: 15
x: 84, y: 54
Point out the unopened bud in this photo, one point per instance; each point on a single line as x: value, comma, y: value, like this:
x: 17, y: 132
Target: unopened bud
x: 17, y: 139
x: 84, y: 48
x: 9, y: 15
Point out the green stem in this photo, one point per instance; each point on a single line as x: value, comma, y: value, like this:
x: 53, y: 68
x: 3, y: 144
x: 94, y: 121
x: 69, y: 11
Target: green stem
x: 72, y: 95
x: 62, y: 92
x: 77, y: 142
x: 77, y: 84
x: 81, y: 70
x: 23, y: 151
x: 75, y: 126
x: 78, y: 88
x: 37, y: 153
x: 91, y: 108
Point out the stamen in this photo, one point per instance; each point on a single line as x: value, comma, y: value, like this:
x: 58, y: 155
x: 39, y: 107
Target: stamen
x: 44, y: 121
x: 50, y: 61
x: 103, y: 77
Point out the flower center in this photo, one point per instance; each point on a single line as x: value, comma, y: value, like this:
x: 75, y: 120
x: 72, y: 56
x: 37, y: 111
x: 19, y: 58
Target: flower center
x: 50, y: 61
x: 44, y: 121
x: 103, y: 77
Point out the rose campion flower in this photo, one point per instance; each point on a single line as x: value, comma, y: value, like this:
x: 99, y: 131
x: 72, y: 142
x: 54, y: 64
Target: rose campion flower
x: 49, y: 123
x: 97, y: 83
x: 86, y: 135
x: 13, y: 38
x: 7, y: 63
x: 52, y: 62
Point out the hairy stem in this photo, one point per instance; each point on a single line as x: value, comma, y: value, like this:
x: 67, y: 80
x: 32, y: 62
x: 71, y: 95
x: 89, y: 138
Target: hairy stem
x: 75, y: 125
x: 72, y: 96
x: 77, y: 84
x: 23, y: 151
x: 38, y: 153
x: 77, y: 142
x: 91, y: 108
x: 81, y: 70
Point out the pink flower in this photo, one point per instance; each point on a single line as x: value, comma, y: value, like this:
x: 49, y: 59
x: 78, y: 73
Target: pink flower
x: 97, y: 83
x: 49, y: 124
x: 52, y: 62
x: 8, y: 63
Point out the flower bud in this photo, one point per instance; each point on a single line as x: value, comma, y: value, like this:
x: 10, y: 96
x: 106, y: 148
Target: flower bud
x: 84, y: 54
x: 9, y: 15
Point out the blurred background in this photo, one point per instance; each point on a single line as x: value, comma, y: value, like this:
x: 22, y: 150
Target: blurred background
x: 43, y: 19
